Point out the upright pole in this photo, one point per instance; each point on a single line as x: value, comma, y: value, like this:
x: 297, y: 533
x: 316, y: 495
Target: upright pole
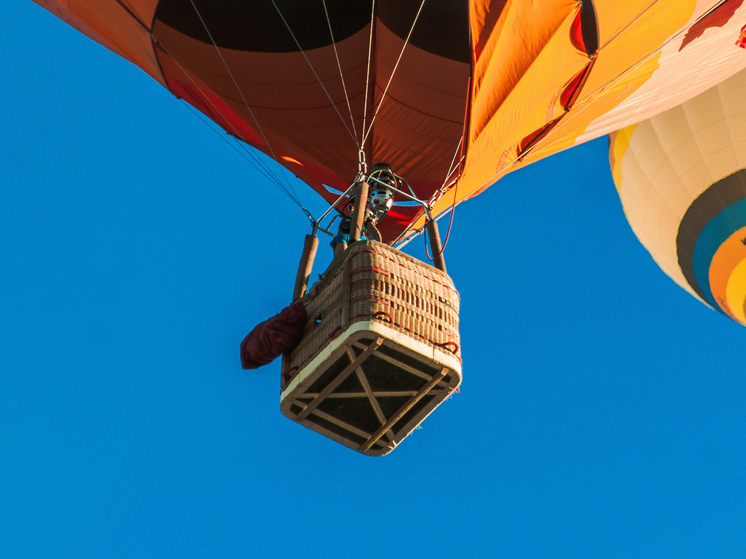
x: 358, y: 218
x: 435, y: 246
x: 305, y: 267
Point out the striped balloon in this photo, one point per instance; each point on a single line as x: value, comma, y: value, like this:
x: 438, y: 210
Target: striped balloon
x: 681, y: 177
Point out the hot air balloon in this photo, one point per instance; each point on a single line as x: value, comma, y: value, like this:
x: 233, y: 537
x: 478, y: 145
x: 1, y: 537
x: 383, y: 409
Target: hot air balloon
x: 681, y: 177
x: 451, y: 95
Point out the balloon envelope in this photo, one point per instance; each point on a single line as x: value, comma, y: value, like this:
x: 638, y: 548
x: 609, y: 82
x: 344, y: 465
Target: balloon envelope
x: 452, y: 94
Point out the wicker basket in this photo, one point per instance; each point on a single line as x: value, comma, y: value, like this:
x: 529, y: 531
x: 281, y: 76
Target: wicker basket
x: 380, y: 351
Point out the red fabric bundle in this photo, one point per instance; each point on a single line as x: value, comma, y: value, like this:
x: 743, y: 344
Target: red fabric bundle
x: 273, y: 337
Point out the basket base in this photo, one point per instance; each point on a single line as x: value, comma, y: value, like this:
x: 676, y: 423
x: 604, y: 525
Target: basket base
x: 370, y: 388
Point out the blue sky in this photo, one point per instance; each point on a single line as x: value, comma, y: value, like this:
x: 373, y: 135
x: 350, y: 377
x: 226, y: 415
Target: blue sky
x: 601, y: 413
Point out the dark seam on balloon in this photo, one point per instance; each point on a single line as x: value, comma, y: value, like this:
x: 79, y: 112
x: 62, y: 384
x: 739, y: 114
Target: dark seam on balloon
x: 150, y: 36
x: 155, y: 50
x: 158, y: 62
x: 130, y: 12
x: 531, y: 140
x: 388, y: 95
x: 576, y: 85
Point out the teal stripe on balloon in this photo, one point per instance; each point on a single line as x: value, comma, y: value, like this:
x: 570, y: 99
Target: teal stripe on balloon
x: 715, y: 233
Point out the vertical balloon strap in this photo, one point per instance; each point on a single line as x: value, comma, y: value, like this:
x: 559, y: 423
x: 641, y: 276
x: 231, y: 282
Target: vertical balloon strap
x: 305, y: 267
x: 431, y: 225
x: 358, y: 218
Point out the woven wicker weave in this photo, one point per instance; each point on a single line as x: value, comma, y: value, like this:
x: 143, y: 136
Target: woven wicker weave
x: 374, y: 295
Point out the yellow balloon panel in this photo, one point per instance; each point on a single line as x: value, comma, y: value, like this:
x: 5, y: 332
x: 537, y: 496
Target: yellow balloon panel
x: 736, y: 292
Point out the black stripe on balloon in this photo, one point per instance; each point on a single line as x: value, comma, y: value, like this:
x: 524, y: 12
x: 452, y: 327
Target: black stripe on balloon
x: 710, y: 203
x: 589, y: 25
x: 255, y: 25
x: 442, y: 28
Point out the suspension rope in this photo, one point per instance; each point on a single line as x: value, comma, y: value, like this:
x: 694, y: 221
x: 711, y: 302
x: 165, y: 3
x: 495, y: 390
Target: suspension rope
x: 367, y: 72
x: 447, y: 182
x: 255, y: 161
x: 240, y: 92
x: 627, y: 26
x: 406, y: 42
x: 195, y: 84
x: 341, y: 74
x: 242, y: 154
x: 334, y: 105
x: 460, y: 151
x: 453, y: 167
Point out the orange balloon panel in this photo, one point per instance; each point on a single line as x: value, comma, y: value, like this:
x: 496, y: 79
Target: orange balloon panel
x: 648, y: 57
x: 727, y: 279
